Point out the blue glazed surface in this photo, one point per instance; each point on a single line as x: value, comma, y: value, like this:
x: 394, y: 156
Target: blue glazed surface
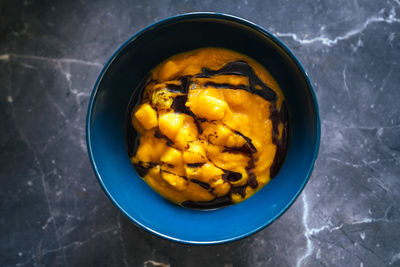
x: 105, y: 128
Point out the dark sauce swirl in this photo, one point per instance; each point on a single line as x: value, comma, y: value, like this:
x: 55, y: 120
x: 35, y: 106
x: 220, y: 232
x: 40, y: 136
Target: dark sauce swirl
x: 242, y: 68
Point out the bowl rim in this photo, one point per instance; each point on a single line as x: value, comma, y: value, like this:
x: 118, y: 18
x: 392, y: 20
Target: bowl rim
x: 176, y: 18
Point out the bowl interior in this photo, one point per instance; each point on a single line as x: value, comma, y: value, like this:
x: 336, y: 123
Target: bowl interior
x: 105, y: 129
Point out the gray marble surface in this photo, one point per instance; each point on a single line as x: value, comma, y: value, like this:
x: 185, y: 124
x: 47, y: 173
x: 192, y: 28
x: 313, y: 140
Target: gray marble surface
x: 53, y: 211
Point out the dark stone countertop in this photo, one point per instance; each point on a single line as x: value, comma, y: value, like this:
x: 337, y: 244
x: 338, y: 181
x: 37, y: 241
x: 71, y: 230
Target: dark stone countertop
x: 53, y: 211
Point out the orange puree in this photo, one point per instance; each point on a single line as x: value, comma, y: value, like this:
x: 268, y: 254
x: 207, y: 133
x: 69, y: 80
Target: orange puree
x: 207, y: 137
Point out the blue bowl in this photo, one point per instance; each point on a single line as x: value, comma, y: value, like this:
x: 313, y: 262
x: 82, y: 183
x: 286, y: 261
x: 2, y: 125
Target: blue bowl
x: 108, y: 106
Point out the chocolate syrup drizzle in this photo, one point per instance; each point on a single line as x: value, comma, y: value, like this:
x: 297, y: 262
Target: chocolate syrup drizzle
x: 241, y: 68
x: 256, y: 86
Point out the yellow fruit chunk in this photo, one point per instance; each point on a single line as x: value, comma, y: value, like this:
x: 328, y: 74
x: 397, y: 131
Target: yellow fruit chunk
x: 195, y: 153
x: 205, y: 106
x: 150, y: 148
x: 170, y: 124
x: 147, y: 116
x: 218, y: 134
x: 172, y: 156
x: 220, y: 187
x: 186, y: 134
x: 237, y: 99
x: 174, y: 180
x: 207, y: 172
x: 192, y: 172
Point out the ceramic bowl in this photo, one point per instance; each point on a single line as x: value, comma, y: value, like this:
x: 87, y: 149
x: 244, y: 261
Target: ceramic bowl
x: 118, y: 82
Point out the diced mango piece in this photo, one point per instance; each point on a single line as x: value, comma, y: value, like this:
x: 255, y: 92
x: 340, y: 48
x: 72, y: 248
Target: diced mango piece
x: 205, y: 106
x: 205, y: 173
x: 174, y: 180
x: 218, y: 134
x: 215, y: 132
x: 192, y: 172
x: 213, y: 151
x: 170, y: 124
x: 150, y: 148
x: 237, y: 121
x: 137, y: 125
x: 220, y: 187
x: 147, y: 116
x: 209, y: 170
x: 172, y: 156
x: 155, y: 171
x: 195, y: 153
x: 186, y: 134
x: 237, y: 99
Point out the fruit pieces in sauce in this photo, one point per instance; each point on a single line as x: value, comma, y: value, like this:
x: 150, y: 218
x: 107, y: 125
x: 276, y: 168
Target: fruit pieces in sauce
x: 213, y: 128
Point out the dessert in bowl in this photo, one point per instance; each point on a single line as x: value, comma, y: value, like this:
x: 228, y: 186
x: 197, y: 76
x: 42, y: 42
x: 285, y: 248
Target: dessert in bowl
x: 213, y: 128
x: 203, y: 110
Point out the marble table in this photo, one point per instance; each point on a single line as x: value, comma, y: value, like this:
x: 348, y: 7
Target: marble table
x: 53, y: 211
